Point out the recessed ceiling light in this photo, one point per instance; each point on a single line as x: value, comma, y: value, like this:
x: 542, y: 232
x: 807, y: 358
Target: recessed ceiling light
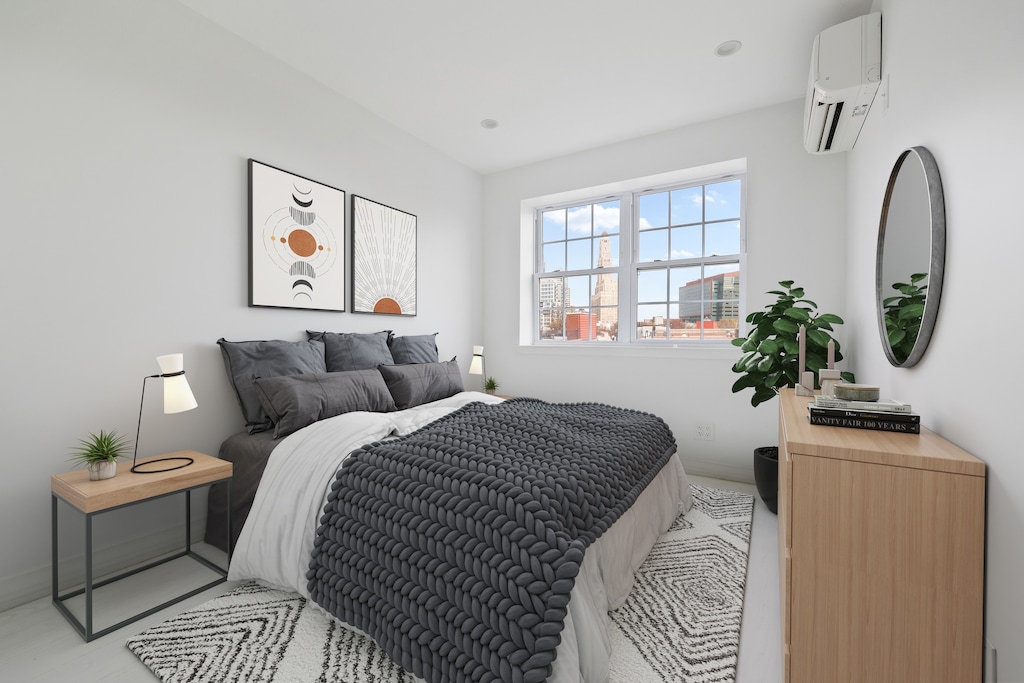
x: 489, y: 123
x: 728, y: 48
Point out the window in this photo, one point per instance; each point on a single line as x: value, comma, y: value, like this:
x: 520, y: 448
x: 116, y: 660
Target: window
x: 578, y: 289
x: 653, y: 266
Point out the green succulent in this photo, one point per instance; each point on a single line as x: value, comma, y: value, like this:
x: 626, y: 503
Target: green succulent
x: 99, y: 447
x: 491, y: 384
x: 771, y: 351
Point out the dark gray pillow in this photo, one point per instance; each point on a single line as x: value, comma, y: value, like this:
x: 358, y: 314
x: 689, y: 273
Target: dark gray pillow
x: 295, y: 401
x: 248, y: 359
x: 411, y: 385
x: 353, y: 350
x: 416, y: 348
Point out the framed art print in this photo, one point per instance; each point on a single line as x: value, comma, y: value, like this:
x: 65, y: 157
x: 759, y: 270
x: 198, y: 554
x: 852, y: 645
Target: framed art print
x: 383, y: 259
x: 296, y: 241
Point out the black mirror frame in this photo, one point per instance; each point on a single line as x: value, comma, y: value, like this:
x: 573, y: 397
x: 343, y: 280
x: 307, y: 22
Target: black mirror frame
x: 937, y: 215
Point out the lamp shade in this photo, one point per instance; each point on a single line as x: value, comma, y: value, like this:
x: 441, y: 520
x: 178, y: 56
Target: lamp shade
x: 177, y: 393
x: 476, y: 366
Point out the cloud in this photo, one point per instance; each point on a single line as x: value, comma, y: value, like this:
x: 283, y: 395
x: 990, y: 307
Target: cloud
x: 578, y: 221
x: 605, y: 218
x: 712, y: 196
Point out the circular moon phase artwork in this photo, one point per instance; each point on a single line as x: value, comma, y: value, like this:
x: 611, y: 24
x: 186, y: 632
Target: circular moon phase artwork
x: 297, y: 251
x: 383, y: 259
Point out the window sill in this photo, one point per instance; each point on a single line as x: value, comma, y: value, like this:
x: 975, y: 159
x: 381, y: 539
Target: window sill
x: 689, y: 351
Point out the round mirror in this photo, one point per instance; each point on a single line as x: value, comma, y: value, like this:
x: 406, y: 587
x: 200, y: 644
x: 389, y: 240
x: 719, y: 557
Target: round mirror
x: 910, y: 257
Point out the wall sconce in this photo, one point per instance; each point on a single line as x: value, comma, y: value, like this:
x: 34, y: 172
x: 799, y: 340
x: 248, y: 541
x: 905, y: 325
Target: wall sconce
x: 177, y: 399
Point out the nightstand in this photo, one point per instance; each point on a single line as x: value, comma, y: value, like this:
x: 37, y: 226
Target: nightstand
x: 92, y: 498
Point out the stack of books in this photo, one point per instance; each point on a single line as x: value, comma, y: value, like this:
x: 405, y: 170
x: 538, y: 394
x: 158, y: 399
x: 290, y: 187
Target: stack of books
x: 885, y: 414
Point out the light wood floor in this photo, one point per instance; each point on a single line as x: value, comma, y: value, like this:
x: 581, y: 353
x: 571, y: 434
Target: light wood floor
x: 38, y: 646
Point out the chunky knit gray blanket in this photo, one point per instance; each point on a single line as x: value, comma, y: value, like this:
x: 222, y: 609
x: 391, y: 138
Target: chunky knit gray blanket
x: 457, y: 546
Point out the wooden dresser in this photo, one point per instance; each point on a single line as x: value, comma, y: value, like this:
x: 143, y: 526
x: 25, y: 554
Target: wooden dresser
x: 881, y: 554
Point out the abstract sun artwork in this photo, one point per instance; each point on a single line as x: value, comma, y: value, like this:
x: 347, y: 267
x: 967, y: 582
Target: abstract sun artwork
x: 383, y: 259
x: 296, y: 241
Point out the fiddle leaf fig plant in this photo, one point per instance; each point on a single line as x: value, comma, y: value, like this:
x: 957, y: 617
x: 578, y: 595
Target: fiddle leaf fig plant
x: 903, y: 314
x: 771, y: 351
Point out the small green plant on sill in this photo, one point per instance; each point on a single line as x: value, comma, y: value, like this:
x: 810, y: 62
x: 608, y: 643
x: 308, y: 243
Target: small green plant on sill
x: 105, y: 446
x: 491, y: 385
x: 771, y: 352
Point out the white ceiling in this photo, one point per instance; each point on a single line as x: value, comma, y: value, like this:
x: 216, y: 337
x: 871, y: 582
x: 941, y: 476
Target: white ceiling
x: 559, y: 75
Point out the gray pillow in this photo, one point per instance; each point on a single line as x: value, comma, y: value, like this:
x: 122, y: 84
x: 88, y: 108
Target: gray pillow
x: 411, y: 385
x: 295, y: 401
x: 354, y: 351
x: 248, y: 359
x: 418, y: 348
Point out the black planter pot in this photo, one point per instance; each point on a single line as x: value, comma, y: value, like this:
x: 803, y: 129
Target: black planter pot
x: 766, y: 475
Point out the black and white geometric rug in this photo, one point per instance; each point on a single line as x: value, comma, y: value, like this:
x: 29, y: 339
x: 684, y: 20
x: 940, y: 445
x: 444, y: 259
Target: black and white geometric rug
x: 681, y: 623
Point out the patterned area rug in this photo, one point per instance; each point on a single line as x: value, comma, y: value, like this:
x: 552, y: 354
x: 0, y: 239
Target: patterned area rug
x: 681, y: 623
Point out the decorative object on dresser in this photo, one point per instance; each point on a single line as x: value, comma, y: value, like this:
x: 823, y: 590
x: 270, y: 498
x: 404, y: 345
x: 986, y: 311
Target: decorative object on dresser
x: 788, y: 337
x: 296, y: 241
x: 178, y: 398
x: 856, y: 392
x: 775, y: 354
x: 383, y: 259
x: 881, y: 554
x: 887, y: 404
x: 93, y: 498
x: 491, y: 385
x: 100, y: 453
x: 886, y: 421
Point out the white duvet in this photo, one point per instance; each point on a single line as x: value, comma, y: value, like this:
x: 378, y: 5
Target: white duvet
x: 277, y: 539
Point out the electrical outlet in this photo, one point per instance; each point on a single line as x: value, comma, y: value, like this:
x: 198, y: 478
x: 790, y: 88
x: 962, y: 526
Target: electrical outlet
x: 705, y: 431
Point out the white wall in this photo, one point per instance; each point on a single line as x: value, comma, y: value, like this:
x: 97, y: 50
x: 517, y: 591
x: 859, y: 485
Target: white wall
x: 796, y: 213
x: 126, y: 129
x: 954, y: 73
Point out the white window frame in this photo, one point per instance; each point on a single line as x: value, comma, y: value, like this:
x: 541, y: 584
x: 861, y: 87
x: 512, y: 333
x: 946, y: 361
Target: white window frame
x: 532, y: 240
x: 619, y: 271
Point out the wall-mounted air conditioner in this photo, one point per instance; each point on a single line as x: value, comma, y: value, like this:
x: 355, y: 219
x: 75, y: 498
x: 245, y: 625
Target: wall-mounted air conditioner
x: 846, y: 66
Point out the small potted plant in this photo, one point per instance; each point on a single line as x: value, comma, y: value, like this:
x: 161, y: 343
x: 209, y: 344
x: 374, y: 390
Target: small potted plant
x: 771, y: 360
x: 490, y: 385
x: 100, y: 453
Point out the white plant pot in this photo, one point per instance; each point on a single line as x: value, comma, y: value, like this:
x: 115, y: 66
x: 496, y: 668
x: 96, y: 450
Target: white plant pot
x: 102, y: 470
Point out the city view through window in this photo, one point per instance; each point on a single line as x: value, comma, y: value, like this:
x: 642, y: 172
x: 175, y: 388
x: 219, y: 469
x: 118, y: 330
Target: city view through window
x: 676, y: 254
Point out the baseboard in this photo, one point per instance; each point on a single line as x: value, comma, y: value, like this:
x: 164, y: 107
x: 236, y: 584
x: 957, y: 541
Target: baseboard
x: 718, y: 470
x: 37, y: 583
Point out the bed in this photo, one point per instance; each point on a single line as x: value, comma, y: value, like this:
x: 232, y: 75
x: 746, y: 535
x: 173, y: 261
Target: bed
x: 284, y: 488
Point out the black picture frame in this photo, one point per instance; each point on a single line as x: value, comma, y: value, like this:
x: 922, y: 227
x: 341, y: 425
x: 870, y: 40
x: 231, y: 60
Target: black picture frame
x: 384, y: 253
x: 296, y: 241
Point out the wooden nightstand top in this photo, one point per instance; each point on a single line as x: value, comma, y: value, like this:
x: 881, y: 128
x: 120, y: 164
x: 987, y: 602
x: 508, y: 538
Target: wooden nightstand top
x: 130, y: 487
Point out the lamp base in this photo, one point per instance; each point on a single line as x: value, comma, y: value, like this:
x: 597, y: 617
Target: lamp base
x: 137, y: 469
